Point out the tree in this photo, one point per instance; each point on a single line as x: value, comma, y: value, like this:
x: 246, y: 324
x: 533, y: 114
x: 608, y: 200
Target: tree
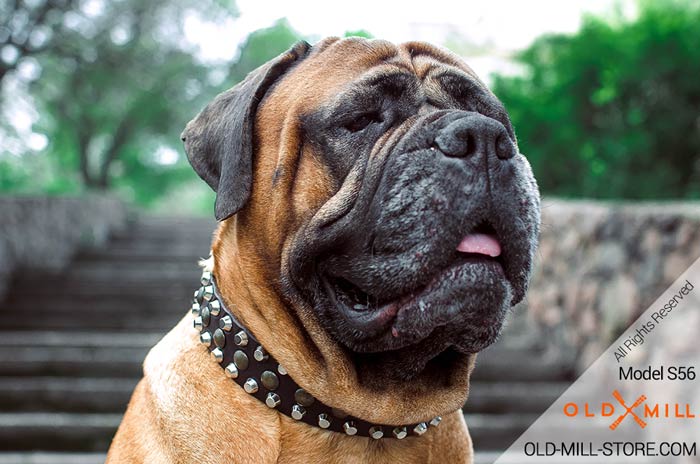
x: 116, y: 88
x: 612, y: 111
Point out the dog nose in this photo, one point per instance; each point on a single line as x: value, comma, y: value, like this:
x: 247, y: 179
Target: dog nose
x: 475, y: 134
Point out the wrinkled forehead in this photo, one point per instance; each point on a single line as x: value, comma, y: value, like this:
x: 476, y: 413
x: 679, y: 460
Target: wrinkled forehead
x: 335, y: 65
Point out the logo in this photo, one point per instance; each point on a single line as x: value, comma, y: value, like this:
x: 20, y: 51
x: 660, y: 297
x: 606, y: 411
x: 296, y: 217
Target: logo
x: 641, y: 411
x: 628, y: 410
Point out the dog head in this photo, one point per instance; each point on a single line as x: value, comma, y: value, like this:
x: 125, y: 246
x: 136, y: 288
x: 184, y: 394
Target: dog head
x: 377, y: 191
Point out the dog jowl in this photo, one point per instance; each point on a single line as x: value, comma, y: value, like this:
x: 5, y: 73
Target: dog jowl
x: 379, y: 193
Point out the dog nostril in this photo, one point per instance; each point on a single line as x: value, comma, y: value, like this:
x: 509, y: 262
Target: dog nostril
x: 504, y: 147
x: 456, y: 145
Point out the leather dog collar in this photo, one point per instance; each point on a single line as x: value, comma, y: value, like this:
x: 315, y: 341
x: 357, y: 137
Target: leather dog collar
x: 246, y: 362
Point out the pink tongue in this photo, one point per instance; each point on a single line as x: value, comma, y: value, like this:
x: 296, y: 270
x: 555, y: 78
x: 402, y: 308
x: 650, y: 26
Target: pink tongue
x: 482, y: 244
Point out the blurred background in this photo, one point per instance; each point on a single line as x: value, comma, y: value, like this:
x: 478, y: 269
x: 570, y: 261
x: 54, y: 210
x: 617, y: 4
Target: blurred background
x: 102, y: 219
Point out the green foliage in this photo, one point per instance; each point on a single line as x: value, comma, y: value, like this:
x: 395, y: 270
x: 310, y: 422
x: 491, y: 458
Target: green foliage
x: 613, y: 111
x: 261, y: 46
x: 359, y: 33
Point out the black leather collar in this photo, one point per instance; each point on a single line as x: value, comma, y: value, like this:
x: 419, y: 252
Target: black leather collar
x: 246, y: 362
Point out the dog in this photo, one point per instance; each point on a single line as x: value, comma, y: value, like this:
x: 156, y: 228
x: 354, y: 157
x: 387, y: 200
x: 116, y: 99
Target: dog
x: 377, y: 222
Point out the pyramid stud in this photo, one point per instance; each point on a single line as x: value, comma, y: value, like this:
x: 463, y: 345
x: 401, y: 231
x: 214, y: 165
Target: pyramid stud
x: 232, y: 371
x: 195, y: 308
x: 260, y: 355
x: 197, y: 323
x: 226, y: 323
x: 241, y: 338
x: 215, y: 307
x: 207, y: 292
x: 206, y: 278
x: 272, y: 400
x: 219, y: 338
x: 206, y: 317
x: 421, y: 428
x: 205, y: 338
x: 250, y: 386
x: 376, y: 432
x: 217, y: 354
x: 324, y: 421
x: 400, y: 432
x: 349, y: 428
x: 298, y: 412
x: 436, y: 421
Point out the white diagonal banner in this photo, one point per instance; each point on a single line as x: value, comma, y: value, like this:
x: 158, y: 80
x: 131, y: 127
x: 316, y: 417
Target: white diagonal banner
x: 638, y: 402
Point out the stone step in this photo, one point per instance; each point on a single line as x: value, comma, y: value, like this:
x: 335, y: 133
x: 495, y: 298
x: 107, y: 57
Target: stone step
x: 145, y: 253
x: 78, y: 339
x: 48, y: 457
x: 499, y: 364
x: 94, y: 431
x: 147, y: 320
x: 512, y: 397
x: 74, y: 353
x: 108, y: 289
x: 57, y: 431
x: 65, y: 394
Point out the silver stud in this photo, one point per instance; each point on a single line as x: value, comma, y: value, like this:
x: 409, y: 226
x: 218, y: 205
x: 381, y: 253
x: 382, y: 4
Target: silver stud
x: 350, y: 428
x: 281, y: 369
x: 226, y: 323
x: 195, y: 308
x: 206, y: 318
x: 400, y: 432
x: 206, y: 278
x: 303, y: 397
x: 198, y: 323
x: 241, y: 360
x: 217, y: 354
x: 250, y: 386
x: 232, y: 371
x: 241, y: 338
x: 215, y: 307
x: 269, y: 380
x: 298, y: 412
x: 205, y: 338
x: 324, y: 421
x: 376, y: 432
x: 272, y: 400
x: 207, y: 292
x: 421, y: 428
x: 436, y: 421
x: 219, y: 338
x: 259, y: 354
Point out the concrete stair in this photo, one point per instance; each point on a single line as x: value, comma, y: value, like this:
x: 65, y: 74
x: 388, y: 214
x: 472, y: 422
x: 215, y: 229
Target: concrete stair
x: 68, y: 365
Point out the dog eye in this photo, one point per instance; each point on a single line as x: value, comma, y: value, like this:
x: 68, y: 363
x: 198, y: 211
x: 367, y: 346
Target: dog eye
x: 362, y: 121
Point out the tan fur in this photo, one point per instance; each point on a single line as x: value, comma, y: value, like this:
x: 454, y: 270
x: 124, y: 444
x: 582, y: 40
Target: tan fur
x: 186, y: 410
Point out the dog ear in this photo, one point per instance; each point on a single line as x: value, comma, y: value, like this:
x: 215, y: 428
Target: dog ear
x: 219, y: 140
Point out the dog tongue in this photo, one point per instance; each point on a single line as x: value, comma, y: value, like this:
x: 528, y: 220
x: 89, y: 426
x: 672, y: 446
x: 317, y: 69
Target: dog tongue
x: 482, y: 244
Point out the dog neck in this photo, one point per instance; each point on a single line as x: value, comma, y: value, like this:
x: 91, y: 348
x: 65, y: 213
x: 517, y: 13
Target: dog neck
x: 250, y: 365
x: 290, y: 332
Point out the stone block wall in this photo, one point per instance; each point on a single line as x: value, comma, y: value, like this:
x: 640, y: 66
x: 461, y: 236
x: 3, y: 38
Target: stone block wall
x: 599, y: 266
x: 39, y: 232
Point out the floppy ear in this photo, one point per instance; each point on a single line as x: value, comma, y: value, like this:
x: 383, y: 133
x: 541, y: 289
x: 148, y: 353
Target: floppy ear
x: 219, y: 140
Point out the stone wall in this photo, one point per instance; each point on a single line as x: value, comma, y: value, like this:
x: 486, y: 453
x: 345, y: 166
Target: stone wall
x: 44, y: 232
x: 599, y: 266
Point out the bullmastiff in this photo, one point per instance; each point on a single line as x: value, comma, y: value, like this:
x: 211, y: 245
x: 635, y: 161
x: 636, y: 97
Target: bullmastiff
x: 377, y: 222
